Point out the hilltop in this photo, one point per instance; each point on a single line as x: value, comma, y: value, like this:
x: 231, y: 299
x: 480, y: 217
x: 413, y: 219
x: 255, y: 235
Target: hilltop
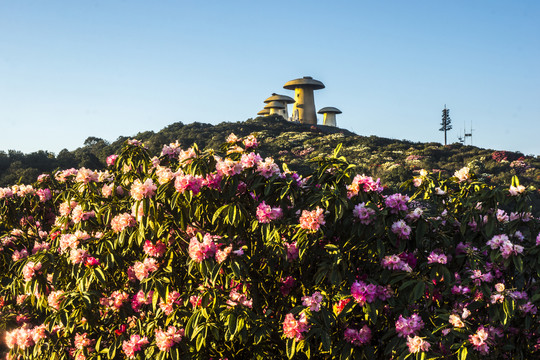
x: 392, y: 160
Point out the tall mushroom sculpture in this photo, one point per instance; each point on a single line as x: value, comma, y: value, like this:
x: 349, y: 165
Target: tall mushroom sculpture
x: 275, y: 107
x: 282, y: 99
x: 304, y: 106
x: 329, y: 115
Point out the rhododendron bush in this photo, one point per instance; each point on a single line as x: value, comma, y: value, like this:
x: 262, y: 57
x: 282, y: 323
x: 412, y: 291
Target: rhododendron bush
x: 224, y: 254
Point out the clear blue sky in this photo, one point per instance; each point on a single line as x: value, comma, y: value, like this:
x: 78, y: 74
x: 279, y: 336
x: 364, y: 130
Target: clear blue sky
x: 106, y: 68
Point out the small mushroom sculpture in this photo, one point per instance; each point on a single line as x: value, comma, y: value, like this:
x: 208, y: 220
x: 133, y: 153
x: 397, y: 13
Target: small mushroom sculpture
x: 329, y: 115
x: 275, y: 107
x: 264, y: 112
x: 282, y: 99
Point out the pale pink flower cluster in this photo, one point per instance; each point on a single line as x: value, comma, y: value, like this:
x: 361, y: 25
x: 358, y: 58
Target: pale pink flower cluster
x: 135, y: 142
x: 503, y: 243
x: 141, y: 269
x: 120, y: 222
x: 30, y: 269
x: 193, y: 183
x: 456, y: 321
x: 164, y: 174
x: 23, y: 190
x: 55, y: 298
x: 417, y: 344
x: 18, y: 255
x: 223, y: 254
x: 358, y: 337
x: 40, y: 246
x: 478, y: 277
x: 66, y: 207
x: 295, y: 329
x: 401, y: 229
x: 409, y: 325
x: 367, y: 293
x: 516, y: 190
x: 115, y: 301
x: 238, y: 298
x: 268, y: 168
x: 186, y: 157
x: 134, y: 344
x: 292, y: 251
x: 415, y: 214
x: 529, y: 308
x: 140, y: 299
x: 364, y: 183
x: 63, y: 176
x: 140, y: 190
x: 314, y: 301
x: 312, y: 220
x: 502, y: 216
x: 250, y: 141
x: 6, y: 193
x: 71, y: 241
x: 250, y: 160
x: 172, y: 150
x: 111, y: 159
x: 86, y: 176
x: 437, y: 258
x: 165, y: 340
x: 44, y: 194
x: 78, y: 214
x: 462, y: 174
x: 228, y: 167
x: 25, y: 337
x: 396, y: 202
x: 366, y: 215
x: 156, y: 250
x: 232, y: 138
x: 479, y: 340
x: 173, y: 298
x: 78, y: 256
x: 82, y: 341
x: 266, y: 213
x: 394, y: 262
x: 198, y: 251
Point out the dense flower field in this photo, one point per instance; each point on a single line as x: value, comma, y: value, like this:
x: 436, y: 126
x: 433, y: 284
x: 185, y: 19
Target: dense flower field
x: 223, y: 254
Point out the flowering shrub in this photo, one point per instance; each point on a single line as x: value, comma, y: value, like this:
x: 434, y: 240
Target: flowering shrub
x: 224, y: 254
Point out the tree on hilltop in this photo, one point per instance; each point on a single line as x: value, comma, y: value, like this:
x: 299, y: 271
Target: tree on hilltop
x: 445, y: 123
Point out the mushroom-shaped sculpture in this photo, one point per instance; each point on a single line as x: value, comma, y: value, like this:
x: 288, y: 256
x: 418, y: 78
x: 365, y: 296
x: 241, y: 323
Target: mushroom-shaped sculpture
x: 329, y: 117
x: 264, y: 112
x: 304, y: 106
x: 275, y: 107
x: 282, y: 99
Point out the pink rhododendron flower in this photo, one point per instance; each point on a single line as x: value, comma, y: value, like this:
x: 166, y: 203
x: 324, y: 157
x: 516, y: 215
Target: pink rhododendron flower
x: 287, y: 285
x: 358, y: 337
x: 30, y: 269
x: 155, y: 250
x: 396, y: 203
x: 250, y: 141
x: 222, y: 254
x: 293, y: 328
x: 198, y: 251
x: 164, y: 174
x: 86, y: 176
x: 186, y: 157
x: 365, y: 214
x: 364, y: 183
x: 165, y: 340
x: 172, y: 150
x: 312, y: 220
x: 115, y: 301
x: 228, y: 167
x: 78, y: 214
x: 141, y: 299
x: 120, y: 222
x: 250, y: 160
x: 266, y: 213
x: 436, y: 258
x: 111, y: 159
x: 292, y: 251
x: 82, y: 341
x: 18, y: 255
x: 409, y: 325
x: 394, y: 262
x: 55, y: 298
x: 456, y: 321
x: 462, y: 174
x: 417, y: 344
x: 401, y: 229
x: 134, y: 344
x: 232, y: 138
x: 107, y: 190
x: 313, y: 301
x: 478, y: 340
x: 516, y: 190
x: 44, y: 194
x: 167, y: 306
x: 77, y: 256
x: 143, y: 269
x: 183, y: 183
x: 238, y: 298
x: 140, y: 190
x: 268, y: 168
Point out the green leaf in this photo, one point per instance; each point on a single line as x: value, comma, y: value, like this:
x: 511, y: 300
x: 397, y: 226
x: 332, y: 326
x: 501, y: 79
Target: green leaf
x: 418, y: 291
x: 462, y: 353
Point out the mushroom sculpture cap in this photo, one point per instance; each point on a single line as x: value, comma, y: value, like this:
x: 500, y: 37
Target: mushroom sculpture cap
x: 306, y: 81
x: 264, y: 112
x: 282, y: 98
x: 330, y: 110
x: 274, y: 105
